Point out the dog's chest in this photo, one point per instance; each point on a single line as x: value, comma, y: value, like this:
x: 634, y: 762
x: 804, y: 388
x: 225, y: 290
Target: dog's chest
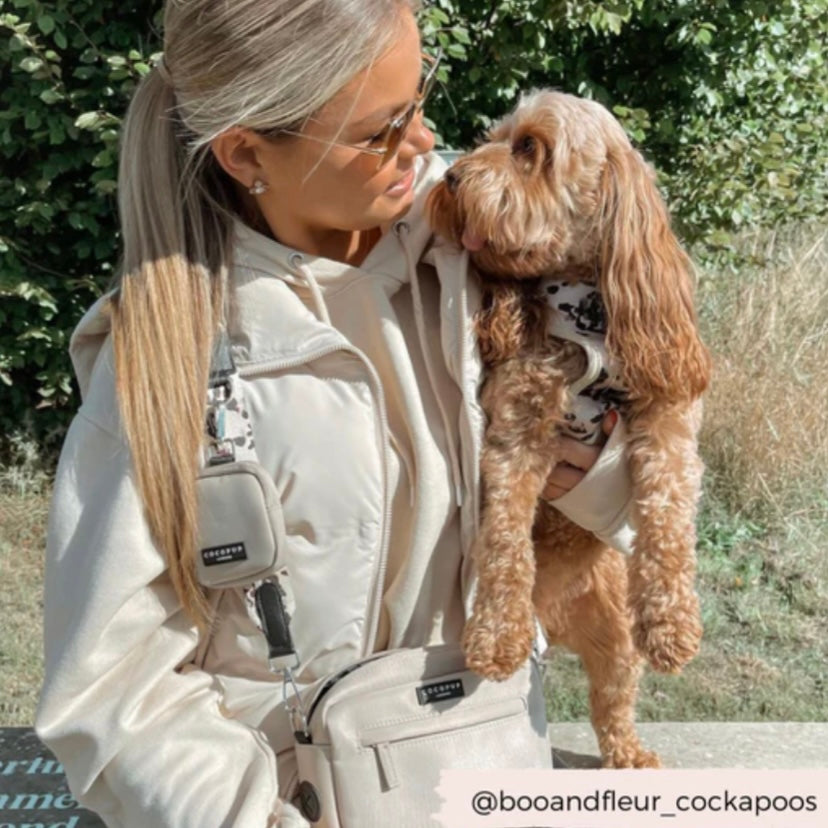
x: 577, y: 314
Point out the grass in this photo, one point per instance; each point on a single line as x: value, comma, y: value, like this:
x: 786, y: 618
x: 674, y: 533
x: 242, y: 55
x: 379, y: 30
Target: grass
x: 764, y: 438
x: 24, y: 501
x: 764, y: 655
x: 763, y: 526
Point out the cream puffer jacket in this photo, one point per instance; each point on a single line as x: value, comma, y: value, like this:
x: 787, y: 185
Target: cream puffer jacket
x: 158, y: 728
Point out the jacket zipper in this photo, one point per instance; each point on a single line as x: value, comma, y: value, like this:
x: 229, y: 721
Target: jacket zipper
x: 269, y: 366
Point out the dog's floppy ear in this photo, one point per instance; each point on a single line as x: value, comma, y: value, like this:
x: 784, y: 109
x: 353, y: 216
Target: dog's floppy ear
x: 511, y: 318
x: 647, y: 285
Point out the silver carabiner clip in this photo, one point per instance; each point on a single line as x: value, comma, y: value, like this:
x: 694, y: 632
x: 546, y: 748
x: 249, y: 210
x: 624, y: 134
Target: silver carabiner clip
x: 298, y: 718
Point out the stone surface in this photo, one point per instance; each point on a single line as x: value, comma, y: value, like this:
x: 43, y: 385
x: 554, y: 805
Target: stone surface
x: 706, y: 744
x: 33, y: 788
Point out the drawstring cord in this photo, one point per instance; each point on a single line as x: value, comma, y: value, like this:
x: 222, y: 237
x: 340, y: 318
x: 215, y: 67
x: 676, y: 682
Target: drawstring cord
x: 401, y: 229
x: 296, y: 262
x: 409, y: 467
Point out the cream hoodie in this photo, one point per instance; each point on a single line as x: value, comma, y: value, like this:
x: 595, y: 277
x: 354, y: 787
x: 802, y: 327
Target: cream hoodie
x: 362, y: 388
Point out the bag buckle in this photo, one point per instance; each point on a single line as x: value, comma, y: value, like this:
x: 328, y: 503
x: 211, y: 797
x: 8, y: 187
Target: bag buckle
x: 219, y: 390
x: 298, y: 718
x: 282, y: 656
x: 220, y: 447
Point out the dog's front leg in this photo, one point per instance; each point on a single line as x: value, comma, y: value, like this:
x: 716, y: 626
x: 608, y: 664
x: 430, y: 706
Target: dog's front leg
x: 666, y: 472
x: 524, y: 400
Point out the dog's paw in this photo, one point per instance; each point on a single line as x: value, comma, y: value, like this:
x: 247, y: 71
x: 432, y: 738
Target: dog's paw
x: 669, y: 640
x: 635, y: 757
x: 495, y: 648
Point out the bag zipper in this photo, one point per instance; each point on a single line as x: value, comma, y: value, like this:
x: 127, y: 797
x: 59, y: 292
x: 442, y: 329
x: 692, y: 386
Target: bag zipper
x: 329, y: 684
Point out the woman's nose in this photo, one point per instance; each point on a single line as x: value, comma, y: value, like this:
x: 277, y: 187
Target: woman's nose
x: 418, y: 136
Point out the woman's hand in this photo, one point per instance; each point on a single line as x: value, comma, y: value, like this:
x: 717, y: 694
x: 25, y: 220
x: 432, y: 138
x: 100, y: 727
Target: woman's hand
x: 577, y: 459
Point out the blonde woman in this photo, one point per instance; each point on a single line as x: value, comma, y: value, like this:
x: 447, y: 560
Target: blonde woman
x: 273, y: 174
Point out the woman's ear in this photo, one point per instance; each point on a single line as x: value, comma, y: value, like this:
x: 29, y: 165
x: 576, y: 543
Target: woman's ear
x: 237, y: 151
x: 647, y: 286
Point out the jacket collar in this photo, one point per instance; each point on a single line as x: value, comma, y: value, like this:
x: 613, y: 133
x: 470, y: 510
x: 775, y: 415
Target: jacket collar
x: 271, y: 315
x: 267, y: 319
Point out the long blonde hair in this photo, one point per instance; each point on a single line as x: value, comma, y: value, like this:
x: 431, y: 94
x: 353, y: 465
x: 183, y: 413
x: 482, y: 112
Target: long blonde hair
x: 263, y: 64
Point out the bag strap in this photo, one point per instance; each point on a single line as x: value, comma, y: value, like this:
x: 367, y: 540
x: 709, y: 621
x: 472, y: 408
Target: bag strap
x: 228, y: 426
x: 230, y: 439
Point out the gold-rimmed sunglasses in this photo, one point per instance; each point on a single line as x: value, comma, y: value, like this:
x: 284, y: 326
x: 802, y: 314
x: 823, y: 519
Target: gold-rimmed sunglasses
x: 389, y: 139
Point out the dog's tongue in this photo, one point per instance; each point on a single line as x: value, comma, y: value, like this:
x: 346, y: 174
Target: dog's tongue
x: 471, y: 241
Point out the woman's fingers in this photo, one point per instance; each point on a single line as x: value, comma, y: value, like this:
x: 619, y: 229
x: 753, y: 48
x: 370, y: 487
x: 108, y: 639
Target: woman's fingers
x: 563, y: 478
x: 576, y: 460
x: 577, y: 454
x: 609, y: 421
x: 551, y: 492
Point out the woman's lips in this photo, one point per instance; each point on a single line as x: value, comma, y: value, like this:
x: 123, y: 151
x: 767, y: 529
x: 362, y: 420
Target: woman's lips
x: 402, y: 186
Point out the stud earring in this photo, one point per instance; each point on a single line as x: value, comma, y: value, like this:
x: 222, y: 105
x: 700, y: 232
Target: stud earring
x: 259, y: 187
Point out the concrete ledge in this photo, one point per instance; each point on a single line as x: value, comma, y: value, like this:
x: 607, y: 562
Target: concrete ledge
x: 706, y: 744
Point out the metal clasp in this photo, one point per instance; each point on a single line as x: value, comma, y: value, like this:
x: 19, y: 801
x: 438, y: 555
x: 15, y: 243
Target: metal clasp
x: 298, y: 718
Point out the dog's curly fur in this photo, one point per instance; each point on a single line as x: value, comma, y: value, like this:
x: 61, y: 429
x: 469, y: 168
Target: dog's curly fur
x: 557, y: 190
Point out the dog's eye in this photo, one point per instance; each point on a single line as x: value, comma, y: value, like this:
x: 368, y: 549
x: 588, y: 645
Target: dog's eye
x: 525, y: 146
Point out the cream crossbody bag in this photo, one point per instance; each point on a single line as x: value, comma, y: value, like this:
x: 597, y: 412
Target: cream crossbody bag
x: 372, y: 739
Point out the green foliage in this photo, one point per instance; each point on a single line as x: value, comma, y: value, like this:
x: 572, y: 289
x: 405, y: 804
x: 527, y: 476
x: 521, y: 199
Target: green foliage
x: 727, y: 98
x: 67, y: 70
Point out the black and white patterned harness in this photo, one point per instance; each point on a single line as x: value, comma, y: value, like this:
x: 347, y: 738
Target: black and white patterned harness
x: 577, y: 314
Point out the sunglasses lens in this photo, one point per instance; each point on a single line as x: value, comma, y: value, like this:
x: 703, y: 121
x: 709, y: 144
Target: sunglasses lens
x: 397, y: 130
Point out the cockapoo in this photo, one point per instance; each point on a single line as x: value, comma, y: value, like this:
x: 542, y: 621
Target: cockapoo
x: 588, y: 305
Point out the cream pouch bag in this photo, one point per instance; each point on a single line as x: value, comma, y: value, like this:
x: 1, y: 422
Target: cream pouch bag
x: 241, y: 529
x: 378, y: 734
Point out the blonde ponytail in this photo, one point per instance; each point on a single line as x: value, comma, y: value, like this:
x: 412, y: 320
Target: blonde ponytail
x: 164, y: 315
x: 265, y: 64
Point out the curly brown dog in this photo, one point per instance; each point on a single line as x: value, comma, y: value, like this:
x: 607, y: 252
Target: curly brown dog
x: 557, y: 199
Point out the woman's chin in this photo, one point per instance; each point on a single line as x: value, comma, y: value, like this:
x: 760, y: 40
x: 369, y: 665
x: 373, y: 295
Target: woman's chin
x: 397, y: 207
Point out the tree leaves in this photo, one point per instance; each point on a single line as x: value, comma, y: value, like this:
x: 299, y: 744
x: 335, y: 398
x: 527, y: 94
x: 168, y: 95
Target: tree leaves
x: 728, y: 99
x: 700, y: 87
x: 65, y: 79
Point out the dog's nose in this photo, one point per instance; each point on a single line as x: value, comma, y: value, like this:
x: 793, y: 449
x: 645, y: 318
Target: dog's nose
x: 451, y: 180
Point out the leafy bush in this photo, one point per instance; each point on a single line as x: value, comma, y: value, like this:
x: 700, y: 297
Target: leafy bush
x: 67, y: 70
x: 728, y: 98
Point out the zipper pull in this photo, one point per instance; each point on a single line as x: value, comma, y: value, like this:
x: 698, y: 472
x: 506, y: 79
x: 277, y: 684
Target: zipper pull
x: 386, y: 762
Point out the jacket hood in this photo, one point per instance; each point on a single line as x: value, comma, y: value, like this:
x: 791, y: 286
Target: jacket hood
x: 258, y: 252
x: 279, y: 310
x: 275, y: 305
